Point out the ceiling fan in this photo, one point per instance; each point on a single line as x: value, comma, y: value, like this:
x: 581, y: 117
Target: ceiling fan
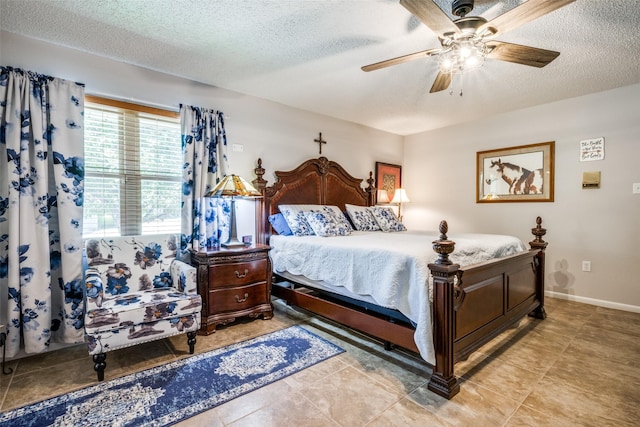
x: 468, y: 40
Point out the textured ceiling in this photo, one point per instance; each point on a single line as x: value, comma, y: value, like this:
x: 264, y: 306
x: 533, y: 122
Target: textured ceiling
x: 308, y: 53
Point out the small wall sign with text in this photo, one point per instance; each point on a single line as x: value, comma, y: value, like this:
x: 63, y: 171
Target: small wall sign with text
x: 591, y: 149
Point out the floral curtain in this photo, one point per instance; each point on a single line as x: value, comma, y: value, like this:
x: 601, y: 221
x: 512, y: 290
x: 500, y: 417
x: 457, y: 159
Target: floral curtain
x: 41, y: 198
x: 205, y: 220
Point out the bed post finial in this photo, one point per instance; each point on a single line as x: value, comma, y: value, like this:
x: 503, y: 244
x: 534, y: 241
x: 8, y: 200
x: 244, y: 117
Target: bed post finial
x: 444, y: 228
x: 370, y: 190
x: 443, y: 246
x: 259, y: 182
x: 538, y: 231
x: 262, y: 223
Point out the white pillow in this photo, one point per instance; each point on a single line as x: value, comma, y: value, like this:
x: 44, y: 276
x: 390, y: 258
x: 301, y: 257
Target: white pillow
x: 362, y: 218
x: 387, y: 219
x: 294, y: 215
x: 323, y: 224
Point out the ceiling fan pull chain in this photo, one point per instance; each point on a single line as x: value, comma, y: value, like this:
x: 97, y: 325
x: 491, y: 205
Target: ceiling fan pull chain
x: 460, y: 78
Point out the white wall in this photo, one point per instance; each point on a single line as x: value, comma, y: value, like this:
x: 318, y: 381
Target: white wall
x: 598, y: 225
x: 281, y: 136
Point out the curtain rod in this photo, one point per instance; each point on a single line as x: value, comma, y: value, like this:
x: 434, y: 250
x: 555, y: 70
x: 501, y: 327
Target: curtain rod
x: 141, y: 102
x: 172, y: 108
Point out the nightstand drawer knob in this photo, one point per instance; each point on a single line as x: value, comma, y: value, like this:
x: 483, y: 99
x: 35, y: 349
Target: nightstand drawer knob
x: 242, y: 275
x: 240, y: 300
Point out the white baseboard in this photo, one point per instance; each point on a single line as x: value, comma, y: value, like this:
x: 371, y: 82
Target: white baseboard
x: 592, y: 301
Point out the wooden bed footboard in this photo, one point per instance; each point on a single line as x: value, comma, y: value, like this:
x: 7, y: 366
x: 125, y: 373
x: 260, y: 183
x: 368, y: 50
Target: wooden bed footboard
x: 471, y: 305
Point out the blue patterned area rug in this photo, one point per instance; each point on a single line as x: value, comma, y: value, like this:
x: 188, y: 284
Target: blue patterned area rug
x: 178, y: 390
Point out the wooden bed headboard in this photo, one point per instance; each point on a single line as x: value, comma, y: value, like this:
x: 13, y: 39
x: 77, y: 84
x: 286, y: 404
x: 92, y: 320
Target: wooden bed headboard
x: 316, y: 181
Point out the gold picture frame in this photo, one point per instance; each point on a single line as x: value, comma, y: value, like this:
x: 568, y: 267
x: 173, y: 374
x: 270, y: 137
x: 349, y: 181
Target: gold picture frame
x: 515, y: 174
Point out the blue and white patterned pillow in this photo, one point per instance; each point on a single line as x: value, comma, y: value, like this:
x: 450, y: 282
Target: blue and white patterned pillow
x: 322, y: 223
x: 294, y: 215
x: 297, y: 224
x: 362, y: 218
x: 339, y: 217
x: 386, y: 219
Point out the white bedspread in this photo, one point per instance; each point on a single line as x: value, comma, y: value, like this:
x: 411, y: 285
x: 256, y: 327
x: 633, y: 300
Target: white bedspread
x: 391, y: 268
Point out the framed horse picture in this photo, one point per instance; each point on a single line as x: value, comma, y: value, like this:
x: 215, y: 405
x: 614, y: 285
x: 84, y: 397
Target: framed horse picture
x: 515, y: 174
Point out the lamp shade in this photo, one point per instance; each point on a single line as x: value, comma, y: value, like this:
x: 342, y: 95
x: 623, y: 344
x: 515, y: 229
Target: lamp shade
x: 382, y: 196
x: 400, y: 196
x: 233, y: 186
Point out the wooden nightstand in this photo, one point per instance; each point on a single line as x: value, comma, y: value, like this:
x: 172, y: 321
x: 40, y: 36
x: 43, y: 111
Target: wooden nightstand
x: 233, y: 283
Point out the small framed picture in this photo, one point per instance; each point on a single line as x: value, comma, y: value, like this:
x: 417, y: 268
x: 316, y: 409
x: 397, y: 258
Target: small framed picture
x: 388, y: 178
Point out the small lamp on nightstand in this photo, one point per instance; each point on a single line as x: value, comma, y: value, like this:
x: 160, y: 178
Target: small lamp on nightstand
x: 400, y: 197
x: 233, y: 186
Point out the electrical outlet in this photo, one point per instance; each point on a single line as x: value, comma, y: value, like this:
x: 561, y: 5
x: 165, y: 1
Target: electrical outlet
x: 238, y: 147
x: 586, y: 266
x: 636, y: 188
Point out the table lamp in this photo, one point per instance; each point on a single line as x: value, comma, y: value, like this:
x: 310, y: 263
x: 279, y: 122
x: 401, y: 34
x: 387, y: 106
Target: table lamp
x: 233, y: 186
x: 400, y: 197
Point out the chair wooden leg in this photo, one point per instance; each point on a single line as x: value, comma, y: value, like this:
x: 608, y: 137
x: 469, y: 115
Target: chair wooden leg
x: 100, y: 364
x: 191, y: 340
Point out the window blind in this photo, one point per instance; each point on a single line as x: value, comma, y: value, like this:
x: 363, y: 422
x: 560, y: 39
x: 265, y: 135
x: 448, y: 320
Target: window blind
x: 133, y: 169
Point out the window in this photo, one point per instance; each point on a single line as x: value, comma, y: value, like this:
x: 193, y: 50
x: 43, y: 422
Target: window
x: 133, y: 169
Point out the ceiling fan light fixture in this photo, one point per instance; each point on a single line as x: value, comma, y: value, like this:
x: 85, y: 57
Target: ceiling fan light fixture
x: 462, y: 55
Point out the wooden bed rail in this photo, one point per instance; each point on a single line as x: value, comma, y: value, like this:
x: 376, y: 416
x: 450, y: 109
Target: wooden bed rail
x: 517, y: 281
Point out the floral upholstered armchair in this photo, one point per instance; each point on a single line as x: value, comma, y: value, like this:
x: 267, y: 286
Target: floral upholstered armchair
x: 137, y: 291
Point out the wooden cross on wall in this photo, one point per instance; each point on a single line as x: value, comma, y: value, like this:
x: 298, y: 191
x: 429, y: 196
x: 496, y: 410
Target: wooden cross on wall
x: 320, y: 141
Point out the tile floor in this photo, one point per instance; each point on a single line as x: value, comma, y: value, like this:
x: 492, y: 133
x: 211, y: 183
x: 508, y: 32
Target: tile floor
x: 580, y: 366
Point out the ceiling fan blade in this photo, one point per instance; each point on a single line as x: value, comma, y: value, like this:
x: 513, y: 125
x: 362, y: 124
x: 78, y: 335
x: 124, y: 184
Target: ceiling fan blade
x: 520, y: 15
x: 525, y: 55
x: 400, y: 59
x: 442, y: 82
x: 431, y: 15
